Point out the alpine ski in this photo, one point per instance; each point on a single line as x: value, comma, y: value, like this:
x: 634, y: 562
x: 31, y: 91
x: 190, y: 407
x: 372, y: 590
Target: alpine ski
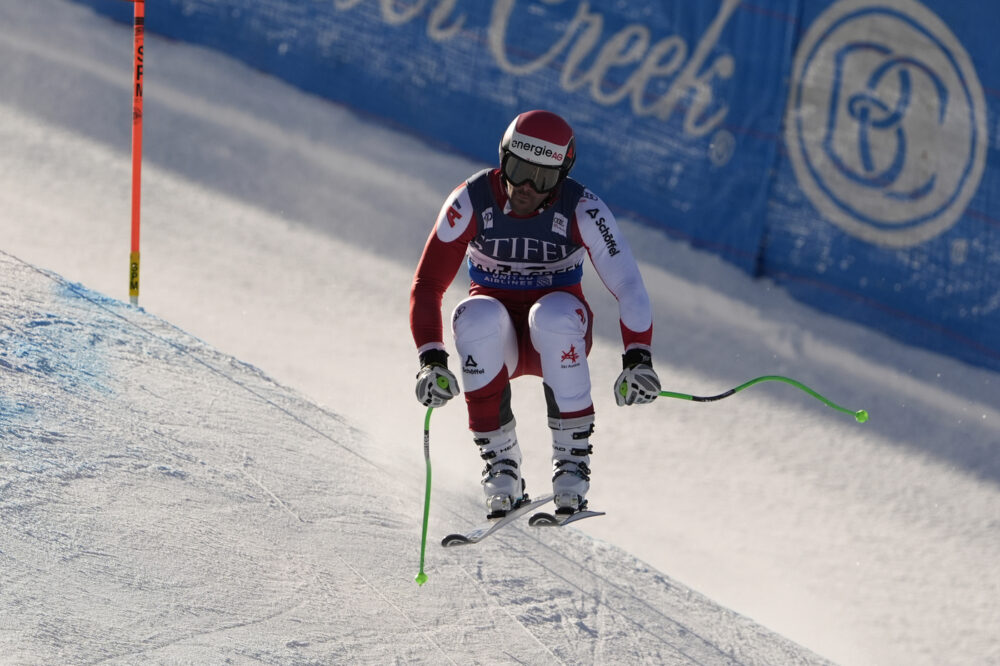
x: 486, y: 529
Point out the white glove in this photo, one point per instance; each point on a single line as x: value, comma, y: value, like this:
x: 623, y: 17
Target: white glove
x: 638, y: 383
x: 436, y: 384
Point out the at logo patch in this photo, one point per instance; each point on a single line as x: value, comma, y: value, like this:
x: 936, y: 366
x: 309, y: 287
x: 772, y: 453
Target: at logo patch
x: 572, y: 356
x: 453, y: 214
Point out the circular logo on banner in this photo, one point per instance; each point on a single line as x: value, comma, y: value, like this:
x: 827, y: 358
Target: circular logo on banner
x: 886, y: 121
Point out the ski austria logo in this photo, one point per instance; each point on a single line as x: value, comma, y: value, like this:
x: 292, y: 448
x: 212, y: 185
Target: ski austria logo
x: 886, y: 121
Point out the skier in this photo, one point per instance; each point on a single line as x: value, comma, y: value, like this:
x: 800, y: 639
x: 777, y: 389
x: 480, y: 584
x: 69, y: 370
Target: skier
x: 524, y: 229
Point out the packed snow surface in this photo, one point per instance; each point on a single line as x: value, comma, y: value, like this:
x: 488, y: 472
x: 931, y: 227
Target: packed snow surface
x: 163, y: 501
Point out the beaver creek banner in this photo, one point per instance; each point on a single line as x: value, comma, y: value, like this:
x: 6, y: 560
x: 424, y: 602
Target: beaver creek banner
x: 846, y: 148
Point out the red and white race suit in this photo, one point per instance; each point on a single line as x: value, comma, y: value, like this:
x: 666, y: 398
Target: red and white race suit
x: 526, y: 313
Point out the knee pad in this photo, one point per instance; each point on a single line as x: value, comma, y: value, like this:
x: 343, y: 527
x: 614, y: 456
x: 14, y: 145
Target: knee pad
x: 479, y: 317
x: 558, y: 324
x: 486, y: 342
x: 558, y: 314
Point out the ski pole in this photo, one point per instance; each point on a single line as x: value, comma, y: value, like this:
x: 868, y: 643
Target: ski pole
x: 860, y: 415
x: 422, y: 577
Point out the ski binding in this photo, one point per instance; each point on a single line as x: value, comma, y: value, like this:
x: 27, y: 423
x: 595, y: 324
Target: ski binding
x: 542, y: 519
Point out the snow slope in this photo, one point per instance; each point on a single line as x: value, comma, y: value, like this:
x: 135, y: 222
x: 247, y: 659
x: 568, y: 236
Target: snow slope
x: 166, y: 503
x: 284, y: 230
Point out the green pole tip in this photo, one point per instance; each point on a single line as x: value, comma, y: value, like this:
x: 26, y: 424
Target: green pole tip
x: 421, y: 578
x: 443, y: 382
x: 861, y: 416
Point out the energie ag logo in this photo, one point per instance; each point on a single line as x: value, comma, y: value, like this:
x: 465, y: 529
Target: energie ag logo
x: 886, y: 121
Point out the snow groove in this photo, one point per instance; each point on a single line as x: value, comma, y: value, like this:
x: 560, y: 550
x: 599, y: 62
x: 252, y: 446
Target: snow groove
x: 619, y: 612
x: 489, y: 600
x: 387, y: 601
x: 681, y: 641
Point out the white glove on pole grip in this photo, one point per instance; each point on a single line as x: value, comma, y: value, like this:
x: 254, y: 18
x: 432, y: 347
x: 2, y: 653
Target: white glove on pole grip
x: 436, y: 384
x: 638, y: 383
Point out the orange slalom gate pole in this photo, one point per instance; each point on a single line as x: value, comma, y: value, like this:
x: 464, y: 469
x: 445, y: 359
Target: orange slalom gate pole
x: 139, y: 25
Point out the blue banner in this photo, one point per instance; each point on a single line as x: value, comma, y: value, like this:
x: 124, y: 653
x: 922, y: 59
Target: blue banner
x: 884, y: 206
x: 848, y: 148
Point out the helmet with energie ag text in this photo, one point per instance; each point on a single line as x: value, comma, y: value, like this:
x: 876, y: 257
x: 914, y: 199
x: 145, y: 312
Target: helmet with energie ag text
x: 539, y: 147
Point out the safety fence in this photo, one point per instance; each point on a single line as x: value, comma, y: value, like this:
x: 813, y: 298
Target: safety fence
x: 848, y: 149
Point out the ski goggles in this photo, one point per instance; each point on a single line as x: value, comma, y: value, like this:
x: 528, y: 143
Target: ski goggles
x: 518, y: 171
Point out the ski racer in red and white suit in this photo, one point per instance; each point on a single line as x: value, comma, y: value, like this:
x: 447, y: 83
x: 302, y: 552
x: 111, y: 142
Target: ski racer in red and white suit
x: 524, y: 230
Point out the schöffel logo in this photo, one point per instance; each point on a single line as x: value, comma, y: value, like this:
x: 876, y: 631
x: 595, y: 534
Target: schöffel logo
x: 886, y: 122
x: 471, y: 367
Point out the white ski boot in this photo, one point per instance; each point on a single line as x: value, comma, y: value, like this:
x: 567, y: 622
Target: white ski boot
x: 571, y: 451
x: 502, y: 482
